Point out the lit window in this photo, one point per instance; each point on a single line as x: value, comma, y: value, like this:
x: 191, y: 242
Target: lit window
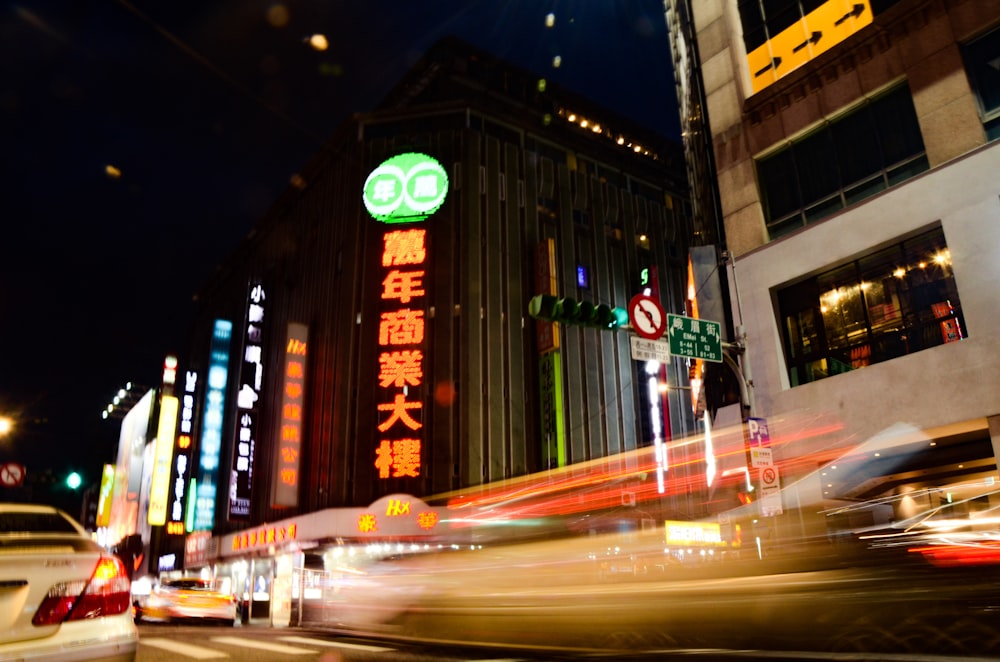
x: 896, y: 301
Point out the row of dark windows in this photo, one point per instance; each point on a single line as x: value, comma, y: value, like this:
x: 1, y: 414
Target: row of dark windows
x: 874, y: 146
x: 842, y: 162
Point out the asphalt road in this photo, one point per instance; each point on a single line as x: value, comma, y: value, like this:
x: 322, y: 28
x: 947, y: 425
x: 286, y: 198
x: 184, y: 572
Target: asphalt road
x: 177, y: 643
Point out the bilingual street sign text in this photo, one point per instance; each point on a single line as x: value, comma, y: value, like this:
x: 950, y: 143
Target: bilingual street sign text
x: 694, y: 338
x: 649, y: 350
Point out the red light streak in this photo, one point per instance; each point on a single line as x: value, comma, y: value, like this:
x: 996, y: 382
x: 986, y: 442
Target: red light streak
x: 950, y: 556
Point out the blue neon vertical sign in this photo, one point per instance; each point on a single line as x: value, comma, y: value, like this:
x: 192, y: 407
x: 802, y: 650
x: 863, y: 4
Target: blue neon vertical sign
x: 213, y: 414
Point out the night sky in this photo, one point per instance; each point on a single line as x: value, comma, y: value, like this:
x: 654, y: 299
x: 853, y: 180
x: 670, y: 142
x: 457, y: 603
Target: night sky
x: 206, y: 109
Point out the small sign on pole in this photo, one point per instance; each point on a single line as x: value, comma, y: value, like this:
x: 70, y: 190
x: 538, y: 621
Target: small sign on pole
x: 650, y: 350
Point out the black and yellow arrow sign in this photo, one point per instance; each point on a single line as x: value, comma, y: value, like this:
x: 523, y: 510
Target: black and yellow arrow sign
x: 817, y: 32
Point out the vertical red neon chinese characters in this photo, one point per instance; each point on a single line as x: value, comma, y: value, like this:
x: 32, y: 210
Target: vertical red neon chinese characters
x: 400, y: 369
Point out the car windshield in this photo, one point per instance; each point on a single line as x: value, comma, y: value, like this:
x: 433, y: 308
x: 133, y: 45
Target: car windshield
x: 189, y: 584
x: 26, y: 522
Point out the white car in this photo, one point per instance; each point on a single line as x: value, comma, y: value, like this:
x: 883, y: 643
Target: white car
x: 62, y: 597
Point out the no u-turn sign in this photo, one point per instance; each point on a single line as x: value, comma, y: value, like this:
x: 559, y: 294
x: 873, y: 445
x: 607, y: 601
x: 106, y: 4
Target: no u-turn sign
x: 11, y: 474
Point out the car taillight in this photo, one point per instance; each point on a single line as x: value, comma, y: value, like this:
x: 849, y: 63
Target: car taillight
x: 105, y: 594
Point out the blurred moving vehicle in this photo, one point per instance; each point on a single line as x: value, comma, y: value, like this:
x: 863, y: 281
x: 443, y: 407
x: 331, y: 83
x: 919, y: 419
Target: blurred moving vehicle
x: 187, y: 598
x: 627, y: 592
x: 62, y: 597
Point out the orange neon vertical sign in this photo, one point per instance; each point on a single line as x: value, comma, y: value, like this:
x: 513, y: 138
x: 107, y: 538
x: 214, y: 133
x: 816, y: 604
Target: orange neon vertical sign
x: 400, y: 361
x: 289, y: 447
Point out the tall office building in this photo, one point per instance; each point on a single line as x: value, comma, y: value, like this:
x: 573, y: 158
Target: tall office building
x: 848, y: 151
x: 369, y: 343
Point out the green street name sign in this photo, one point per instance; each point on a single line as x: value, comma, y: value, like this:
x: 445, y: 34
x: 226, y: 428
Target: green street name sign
x: 405, y: 188
x: 694, y: 338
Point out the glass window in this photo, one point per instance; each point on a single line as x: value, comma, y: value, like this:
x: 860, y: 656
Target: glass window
x: 780, y: 14
x: 897, y: 128
x: 779, y: 180
x: 753, y: 24
x: 843, y: 162
x: 982, y: 61
x: 22, y: 522
x: 857, y: 146
x: 815, y: 161
x: 893, y: 302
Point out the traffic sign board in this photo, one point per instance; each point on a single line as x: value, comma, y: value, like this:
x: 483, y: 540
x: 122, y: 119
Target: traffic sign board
x: 646, y: 315
x: 769, y: 477
x: 770, y: 492
x: 650, y: 350
x: 761, y: 457
x: 694, y: 338
x: 11, y: 474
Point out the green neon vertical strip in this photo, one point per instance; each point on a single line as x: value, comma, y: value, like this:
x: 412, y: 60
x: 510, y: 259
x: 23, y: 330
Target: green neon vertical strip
x: 189, y: 515
x: 557, y: 406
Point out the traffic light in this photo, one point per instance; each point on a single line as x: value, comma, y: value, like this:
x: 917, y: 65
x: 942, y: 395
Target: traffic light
x: 544, y: 307
x: 74, y: 480
x: 580, y: 313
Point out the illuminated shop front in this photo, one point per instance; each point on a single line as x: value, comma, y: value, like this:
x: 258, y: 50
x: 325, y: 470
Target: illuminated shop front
x: 279, y: 570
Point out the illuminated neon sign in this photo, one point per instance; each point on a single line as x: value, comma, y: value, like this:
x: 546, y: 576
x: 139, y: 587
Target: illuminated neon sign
x: 271, y: 535
x: 251, y: 381
x: 289, y: 446
x: 211, y: 425
x: 405, y: 188
x: 400, y: 370
x: 707, y: 534
x: 397, y: 508
x: 182, y: 454
x: 104, y: 496
x: 159, y: 487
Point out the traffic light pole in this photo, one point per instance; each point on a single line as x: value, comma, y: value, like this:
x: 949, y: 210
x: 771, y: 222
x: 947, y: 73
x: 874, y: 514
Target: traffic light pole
x: 741, y: 370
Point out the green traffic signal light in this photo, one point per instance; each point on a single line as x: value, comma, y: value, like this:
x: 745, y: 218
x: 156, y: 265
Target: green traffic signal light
x: 74, y: 480
x: 580, y: 313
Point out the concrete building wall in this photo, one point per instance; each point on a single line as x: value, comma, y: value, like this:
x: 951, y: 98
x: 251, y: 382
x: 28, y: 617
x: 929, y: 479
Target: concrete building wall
x: 917, y: 41
x: 944, y: 390
x: 928, y: 389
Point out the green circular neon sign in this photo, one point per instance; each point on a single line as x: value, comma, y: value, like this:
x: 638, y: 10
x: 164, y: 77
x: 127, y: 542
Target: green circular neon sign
x: 406, y: 188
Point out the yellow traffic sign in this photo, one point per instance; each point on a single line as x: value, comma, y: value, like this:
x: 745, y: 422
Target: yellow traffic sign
x: 817, y: 32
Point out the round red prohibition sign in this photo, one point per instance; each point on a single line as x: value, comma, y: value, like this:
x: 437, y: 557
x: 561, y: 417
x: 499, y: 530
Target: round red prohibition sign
x: 768, y: 476
x: 11, y: 474
x: 646, y: 315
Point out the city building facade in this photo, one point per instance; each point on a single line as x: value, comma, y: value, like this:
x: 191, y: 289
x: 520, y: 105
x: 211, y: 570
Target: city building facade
x: 853, y: 150
x: 369, y: 343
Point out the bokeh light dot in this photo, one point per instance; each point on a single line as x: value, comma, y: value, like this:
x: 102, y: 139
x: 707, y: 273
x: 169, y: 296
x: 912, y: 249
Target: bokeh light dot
x: 277, y: 15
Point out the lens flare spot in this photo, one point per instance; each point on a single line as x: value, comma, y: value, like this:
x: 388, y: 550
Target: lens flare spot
x: 277, y: 15
x: 444, y: 394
